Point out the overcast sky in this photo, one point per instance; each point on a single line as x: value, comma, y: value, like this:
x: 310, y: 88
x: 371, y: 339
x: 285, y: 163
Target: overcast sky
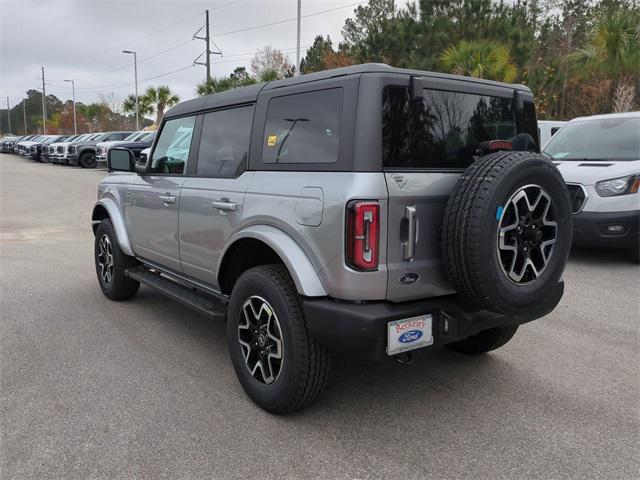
x: 83, y: 40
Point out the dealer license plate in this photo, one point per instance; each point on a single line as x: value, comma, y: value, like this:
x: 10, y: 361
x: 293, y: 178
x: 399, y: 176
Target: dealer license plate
x: 409, y: 334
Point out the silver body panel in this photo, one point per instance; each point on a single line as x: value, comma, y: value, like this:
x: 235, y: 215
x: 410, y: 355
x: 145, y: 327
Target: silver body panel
x: 298, y: 208
x: 300, y: 215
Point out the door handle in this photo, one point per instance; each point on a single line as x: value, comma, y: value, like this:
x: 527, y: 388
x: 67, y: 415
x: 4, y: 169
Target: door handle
x: 224, y: 205
x: 167, y: 199
x: 409, y: 246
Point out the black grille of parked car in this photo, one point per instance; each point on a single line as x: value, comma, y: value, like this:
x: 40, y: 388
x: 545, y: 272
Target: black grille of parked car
x: 60, y: 149
x: 71, y: 149
x: 578, y: 197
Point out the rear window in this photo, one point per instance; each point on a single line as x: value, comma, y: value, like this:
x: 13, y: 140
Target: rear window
x: 224, y: 143
x: 445, y: 130
x: 303, y: 128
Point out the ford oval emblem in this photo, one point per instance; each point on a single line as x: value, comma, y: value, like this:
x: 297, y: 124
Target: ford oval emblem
x: 409, y: 278
x: 410, y: 336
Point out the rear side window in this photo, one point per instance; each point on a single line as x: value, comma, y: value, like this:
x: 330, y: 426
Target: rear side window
x: 172, y: 150
x: 303, y: 128
x: 224, y: 144
x: 445, y: 130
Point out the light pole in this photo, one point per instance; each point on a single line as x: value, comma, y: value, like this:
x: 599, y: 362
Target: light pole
x: 24, y: 114
x: 73, y: 89
x: 135, y: 73
x: 297, y: 72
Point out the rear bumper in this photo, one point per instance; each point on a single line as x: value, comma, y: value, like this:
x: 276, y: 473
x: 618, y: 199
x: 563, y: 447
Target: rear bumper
x: 592, y: 229
x: 361, y: 329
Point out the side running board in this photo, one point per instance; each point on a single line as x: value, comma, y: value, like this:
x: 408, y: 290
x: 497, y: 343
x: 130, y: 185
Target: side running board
x: 192, y: 297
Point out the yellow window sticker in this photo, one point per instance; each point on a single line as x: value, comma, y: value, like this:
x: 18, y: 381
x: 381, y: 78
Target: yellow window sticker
x: 272, y: 140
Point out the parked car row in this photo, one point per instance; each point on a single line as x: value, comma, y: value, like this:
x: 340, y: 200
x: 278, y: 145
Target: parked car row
x: 84, y: 150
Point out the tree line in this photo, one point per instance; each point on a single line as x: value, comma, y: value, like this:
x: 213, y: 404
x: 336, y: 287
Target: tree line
x: 579, y: 57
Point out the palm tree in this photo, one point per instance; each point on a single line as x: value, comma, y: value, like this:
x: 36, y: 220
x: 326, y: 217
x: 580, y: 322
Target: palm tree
x: 613, y: 51
x: 481, y: 59
x: 144, y: 106
x: 161, y: 98
x: 214, y: 85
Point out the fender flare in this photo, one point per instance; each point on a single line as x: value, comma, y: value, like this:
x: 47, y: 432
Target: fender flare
x: 117, y: 221
x: 302, y: 272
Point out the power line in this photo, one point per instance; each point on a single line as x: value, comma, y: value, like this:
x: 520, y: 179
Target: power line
x: 128, y: 42
x: 128, y: 84
x: 122, y: 67
x: 292, y: 19
x: 153, y: 32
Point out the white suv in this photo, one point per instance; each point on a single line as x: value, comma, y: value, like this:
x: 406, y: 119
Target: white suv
x: 599, y: 158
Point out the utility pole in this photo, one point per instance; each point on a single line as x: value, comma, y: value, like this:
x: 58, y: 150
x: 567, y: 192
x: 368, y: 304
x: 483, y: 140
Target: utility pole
x: 44, y: 106
x: 9, y: 114
x: 73, y: 90
x: 24, y: 114
x: 207, y: 38
x: 207, y: 53
x: 135, y: 73
x: 297, y: 72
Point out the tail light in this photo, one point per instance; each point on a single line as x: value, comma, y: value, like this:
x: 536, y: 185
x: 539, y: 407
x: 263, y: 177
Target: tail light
x: 363, y: 226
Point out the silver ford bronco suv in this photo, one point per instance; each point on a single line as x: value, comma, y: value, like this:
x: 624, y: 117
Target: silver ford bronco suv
x: 368, y: 209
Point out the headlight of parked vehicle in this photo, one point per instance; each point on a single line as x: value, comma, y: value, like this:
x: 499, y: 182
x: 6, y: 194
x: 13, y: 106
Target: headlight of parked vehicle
x: 618, y: 186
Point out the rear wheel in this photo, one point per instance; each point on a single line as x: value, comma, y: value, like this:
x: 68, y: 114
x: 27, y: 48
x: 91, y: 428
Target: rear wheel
x: 88, y: 160
x: 507, y: 231
x: 278, y: 364
x: 484, y: 341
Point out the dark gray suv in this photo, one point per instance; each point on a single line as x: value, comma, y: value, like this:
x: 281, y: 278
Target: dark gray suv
x: 84, y: 153
x: 368, y: 209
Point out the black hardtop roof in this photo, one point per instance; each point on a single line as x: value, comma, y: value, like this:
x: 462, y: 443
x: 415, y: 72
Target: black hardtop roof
x: 250, y: 94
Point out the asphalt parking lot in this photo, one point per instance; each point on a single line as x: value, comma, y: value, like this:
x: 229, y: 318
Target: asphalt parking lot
x: 144, y: 389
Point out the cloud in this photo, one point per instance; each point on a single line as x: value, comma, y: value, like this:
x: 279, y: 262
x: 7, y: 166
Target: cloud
x: 83, y: 40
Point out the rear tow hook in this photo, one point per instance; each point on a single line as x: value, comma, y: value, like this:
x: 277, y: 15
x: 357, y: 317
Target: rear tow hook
x: 404, y: 358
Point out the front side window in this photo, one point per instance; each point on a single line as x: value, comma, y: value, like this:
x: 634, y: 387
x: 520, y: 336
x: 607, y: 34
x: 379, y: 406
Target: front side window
x: 224, y: 144
x: 303, y: 128
x: 444, y: 130
x: 172, y: 150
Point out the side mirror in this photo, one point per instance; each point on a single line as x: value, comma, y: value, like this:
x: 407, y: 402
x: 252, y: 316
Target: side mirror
x: 121, y: 160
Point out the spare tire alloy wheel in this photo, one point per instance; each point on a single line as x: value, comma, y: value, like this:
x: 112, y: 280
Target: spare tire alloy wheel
x: 527, y: 233
x: 260, y: 338
x: 507, y: 232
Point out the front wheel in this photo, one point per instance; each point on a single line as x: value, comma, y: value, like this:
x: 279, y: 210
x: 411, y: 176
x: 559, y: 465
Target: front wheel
x: 278, y: 364
x: 88, y: 160
x: 112, y: 263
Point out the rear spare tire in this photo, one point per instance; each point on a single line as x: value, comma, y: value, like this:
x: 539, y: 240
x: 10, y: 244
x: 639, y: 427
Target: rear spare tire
x: 507, y: 231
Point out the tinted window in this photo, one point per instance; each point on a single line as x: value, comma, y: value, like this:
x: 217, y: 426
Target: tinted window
x: 134, y: 136
x: 117, y: 136
x: 445, y: 129
x: 224, y: 144
x: 303, y: 128
x: 172, y: 150
x: 147, y: 137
